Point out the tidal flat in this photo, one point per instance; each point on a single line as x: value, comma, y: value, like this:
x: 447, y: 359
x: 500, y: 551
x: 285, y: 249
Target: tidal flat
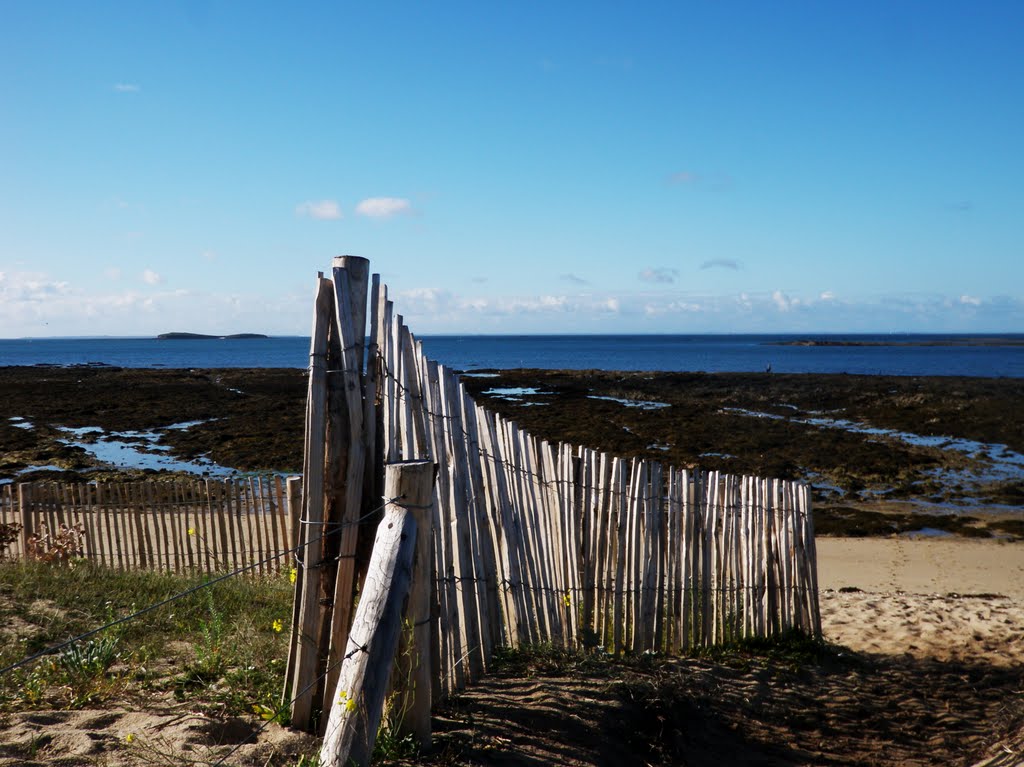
x: 884, y: 455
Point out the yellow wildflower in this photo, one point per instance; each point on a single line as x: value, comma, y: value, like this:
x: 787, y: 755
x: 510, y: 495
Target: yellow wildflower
x: 277, y: 625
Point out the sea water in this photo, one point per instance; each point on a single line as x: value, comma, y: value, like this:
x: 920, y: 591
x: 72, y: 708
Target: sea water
x: 907, y: 355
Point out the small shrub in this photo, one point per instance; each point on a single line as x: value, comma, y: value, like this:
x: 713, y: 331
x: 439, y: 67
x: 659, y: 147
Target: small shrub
x: 62, y: 546
x: 210, y: 649
x: 89, y: 660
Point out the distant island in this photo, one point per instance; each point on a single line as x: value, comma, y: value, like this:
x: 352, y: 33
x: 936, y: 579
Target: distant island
x: 204, y: 337
x: 947, y: 341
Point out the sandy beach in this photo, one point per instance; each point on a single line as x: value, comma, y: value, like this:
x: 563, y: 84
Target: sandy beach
x: 946, y: 600
x: 922, y: 566
x: 926, y: 658
x: 951, y: 601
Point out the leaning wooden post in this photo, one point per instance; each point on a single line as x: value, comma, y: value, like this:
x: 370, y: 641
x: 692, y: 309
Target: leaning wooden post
x: 366, y: 666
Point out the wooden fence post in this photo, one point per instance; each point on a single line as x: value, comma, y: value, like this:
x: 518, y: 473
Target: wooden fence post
x: 305, y: 678
x: 25, y: 509
x: 417, y: 695
x: 346, y: 452
x: 366, y: 666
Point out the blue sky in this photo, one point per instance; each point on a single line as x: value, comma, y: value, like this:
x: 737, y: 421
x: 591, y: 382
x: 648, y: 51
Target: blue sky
x: 513, y: 167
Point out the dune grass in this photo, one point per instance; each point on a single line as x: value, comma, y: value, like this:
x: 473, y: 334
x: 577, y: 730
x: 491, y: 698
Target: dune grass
x: 222, y: 647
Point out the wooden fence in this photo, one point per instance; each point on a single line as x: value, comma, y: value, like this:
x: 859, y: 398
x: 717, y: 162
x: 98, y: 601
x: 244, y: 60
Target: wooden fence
x: 532, y: 542
x: 538, y: 542
x: 180, y: 525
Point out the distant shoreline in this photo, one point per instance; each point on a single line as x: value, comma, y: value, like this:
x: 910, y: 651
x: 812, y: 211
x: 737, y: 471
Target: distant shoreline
x: 981, y: 341
x: 204, y: 337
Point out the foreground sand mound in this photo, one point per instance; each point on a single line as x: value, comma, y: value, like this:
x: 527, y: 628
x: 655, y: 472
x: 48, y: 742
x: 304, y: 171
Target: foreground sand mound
x: 121, y: 738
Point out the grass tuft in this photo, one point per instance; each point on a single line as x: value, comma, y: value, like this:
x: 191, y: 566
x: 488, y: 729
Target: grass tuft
x: 217, y: 648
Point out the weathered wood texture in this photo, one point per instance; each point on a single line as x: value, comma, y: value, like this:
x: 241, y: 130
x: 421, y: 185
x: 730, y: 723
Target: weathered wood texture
x: 537, y: 542
x: 358, y: 696
x: 180, y: 525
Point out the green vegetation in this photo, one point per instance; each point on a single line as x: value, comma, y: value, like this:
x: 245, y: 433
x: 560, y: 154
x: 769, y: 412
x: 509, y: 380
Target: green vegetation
x: 221, y: 648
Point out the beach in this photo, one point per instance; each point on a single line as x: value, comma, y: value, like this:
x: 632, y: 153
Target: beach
x: 917, y: 498
x: 924, y: 666
x: 945, y: 600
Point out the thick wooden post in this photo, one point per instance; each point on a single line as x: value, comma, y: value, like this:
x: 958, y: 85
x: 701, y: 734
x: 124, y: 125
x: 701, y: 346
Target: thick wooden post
x: 347, y: 454
x: 358, y: 698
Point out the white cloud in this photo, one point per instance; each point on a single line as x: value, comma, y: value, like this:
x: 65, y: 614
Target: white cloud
x: 431, y: 295
x: 113, y: 273
x: 33, y: 304
x: 660, y: 275
x: 783, y: 302
x: 721, y: 263
x: 29, y: 287
x: 321, y: 210
x: 679, y: 306
x: 970, y: 301
x: 828, y: 295
x: 127, y: 88
x: 151, y: 278
x: 383, y: 207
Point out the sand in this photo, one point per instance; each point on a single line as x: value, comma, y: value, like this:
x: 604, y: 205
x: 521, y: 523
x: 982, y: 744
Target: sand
x: 948, y: 600
x: 944, y: 618
x: 922, y: 565
x: 952, y: 601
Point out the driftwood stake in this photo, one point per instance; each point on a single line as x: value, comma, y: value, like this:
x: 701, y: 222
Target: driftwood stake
x: 359, y: 696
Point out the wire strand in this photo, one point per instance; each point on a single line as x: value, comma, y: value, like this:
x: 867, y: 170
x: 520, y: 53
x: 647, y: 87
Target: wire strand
x: 53, y: 650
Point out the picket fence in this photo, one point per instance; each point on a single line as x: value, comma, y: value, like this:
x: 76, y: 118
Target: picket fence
x: 179, y: 525
x: 553, y: 543
x: 532, y: 542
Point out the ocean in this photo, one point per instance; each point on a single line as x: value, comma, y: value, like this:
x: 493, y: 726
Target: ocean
x: 906, y: 355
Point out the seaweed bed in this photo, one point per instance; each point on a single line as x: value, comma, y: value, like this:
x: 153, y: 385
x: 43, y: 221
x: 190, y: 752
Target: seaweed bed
x: 885, y: 455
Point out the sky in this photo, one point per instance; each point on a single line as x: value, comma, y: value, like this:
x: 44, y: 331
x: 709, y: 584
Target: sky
x: 519, y: 167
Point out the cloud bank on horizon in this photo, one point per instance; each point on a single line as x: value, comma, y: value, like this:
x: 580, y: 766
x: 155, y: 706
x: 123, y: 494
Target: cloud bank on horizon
x: 47, y: 307
x: 810, y: 168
